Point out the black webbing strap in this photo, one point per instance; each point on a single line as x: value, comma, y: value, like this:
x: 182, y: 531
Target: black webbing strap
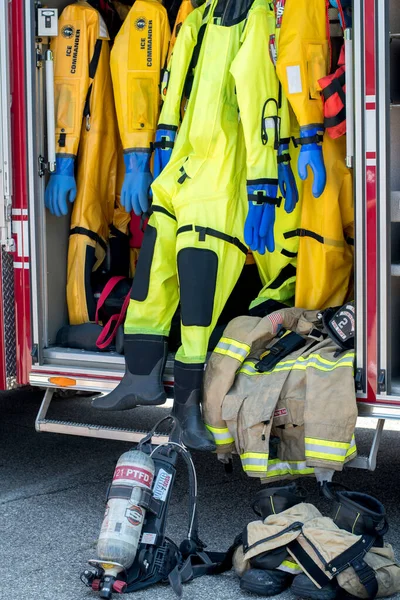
x: 335, y: 87
x: 204, y: 231
x: 166, y: 127
x: 187, y: 88
x: 288, y: 254
x: 116, y: 232
x: 262, y: 181
x: 287, y: 273
x: 304, y: 233
x: 260, y: 198
x: 90, y: 234
x: 354, y: 557
x: 163, y: 144
x: 94, y: 63
x: 308, y: 565
x: 284, y: 158
x: 311, y: 139
x: 336, y: 120
x: 120, y: 491
x: 161, y: 209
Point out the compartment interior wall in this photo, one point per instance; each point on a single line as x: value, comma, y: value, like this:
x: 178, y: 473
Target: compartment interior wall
x: 56, y: 232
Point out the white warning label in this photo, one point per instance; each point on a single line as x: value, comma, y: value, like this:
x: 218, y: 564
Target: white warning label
x: 149, y: 538
x: 161, y: 485
x: 293, y: 75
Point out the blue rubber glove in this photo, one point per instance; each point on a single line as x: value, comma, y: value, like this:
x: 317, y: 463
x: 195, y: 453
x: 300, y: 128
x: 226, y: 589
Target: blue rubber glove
x: 252, y: 227
x: 259, y: 225
x: 164, y: 144
x: 138, y: 178
x: 61, y: 187
x: 311, y: 156
x: 287, y: 182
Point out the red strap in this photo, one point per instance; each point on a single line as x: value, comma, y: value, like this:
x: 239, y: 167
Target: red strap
x: 108, y: 288
x: 111, y: 327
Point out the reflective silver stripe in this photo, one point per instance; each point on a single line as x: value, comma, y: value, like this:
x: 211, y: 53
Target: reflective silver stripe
x: 292, y: 467
x: 251, y: 463
x: 222, y: 438
x: 326, y: 449
x: 232, y: 348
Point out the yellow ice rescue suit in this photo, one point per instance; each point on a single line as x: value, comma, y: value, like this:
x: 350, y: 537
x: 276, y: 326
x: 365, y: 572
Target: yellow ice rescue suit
x: 137, y: 58
x: 325, y: 257
x: 86, y: 128
x: 193, y: 249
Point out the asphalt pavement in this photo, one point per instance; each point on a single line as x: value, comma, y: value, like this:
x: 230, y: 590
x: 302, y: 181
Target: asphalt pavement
x: 52, y: 493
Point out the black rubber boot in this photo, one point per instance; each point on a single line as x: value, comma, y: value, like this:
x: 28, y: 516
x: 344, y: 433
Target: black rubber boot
x: 273, y: 500
x: 188, y: 391
x: 303, y: 587
x: 142, y: 384
x: 358, y: 513
x: 265, y: 583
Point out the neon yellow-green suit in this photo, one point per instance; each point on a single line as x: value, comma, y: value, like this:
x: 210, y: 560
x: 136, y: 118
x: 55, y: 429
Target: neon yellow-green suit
x: 193, y: 249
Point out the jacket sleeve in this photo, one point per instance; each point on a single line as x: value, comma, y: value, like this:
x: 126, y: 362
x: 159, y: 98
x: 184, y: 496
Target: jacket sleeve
x: 137, y: 59
x: 81, y: 34
x: 257, y: 93
x: 303, y: 57
x: 175, y: 76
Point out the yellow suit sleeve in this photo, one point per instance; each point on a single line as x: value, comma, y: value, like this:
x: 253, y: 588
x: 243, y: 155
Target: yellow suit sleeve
x: 137, y: 59
x: 80, y: 26
x: 177, y: 71
x: 257, y: 91
x: 303, y: 57
x: 185, y: 9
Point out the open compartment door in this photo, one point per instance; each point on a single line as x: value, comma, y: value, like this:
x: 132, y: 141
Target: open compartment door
x: 7, y: 312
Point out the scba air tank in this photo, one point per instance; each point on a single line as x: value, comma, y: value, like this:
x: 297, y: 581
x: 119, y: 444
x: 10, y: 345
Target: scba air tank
x: 124, y: 517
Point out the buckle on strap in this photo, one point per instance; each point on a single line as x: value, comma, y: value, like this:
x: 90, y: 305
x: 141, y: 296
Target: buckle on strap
x: 260, y: 198
x: 163, y: 144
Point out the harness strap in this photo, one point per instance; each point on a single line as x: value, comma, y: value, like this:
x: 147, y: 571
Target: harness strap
x: 303, y: 233
x: 161, y: 209
x: 90, y: 234
x: 287, y: 273
x: 204, y: 231
x: 307, y: 564
x: 288, y: 254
